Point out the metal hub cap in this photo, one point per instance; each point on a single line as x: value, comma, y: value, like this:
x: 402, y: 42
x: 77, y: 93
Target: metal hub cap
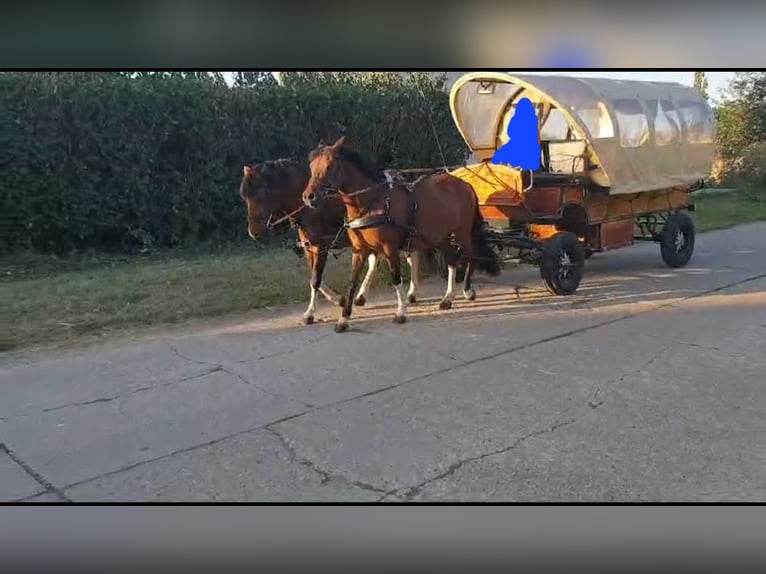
x: 680, y: 241
x: 564, y: 264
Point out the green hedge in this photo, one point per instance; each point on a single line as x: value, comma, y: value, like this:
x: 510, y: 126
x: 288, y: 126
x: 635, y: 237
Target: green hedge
x: 119, y: 162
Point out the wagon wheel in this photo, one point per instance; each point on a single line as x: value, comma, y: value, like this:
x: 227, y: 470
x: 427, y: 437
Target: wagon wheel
x: 677, y: 240
x: 561, y: 263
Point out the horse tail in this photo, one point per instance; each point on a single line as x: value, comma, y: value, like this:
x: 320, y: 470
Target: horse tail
x: 486, y: 257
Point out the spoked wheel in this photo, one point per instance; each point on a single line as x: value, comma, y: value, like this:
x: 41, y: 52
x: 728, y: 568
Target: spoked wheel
x: 561, y: 263
x: 677, y: 240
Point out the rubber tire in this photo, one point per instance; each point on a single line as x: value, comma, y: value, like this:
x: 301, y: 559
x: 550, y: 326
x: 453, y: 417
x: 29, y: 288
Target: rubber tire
x: 550, y: 263
x: 678, y: 221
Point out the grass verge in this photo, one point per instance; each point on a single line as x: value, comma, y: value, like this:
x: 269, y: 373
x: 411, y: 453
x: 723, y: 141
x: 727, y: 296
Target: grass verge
x: 45, y: 300
x: 720, y: 211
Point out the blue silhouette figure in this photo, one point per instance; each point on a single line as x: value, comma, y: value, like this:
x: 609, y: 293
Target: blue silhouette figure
x: 567, y: 56
x: 522, y: 150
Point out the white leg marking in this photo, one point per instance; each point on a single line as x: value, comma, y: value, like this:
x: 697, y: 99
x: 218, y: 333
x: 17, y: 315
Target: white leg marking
x: 312, y: 304
x: 401, y: 301
x: 372, y: 259
x: 446, y: 302
x: 451, y: 271
x: 329, y: 294
x: 414, y: 263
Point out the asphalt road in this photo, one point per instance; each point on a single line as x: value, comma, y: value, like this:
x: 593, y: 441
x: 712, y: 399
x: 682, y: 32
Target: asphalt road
x: 648, y: 385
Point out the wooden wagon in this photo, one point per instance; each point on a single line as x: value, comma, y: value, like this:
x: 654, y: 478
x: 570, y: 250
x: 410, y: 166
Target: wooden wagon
x: 619, y: 160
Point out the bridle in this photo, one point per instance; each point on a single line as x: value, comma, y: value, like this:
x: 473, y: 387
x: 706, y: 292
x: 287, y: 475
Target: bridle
x: 287, y: 217
x: 271, y: 223
x: 324, y: 190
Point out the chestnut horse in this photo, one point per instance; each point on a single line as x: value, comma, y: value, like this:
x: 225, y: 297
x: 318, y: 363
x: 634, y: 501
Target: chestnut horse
x: 272, y: 192
x: 385, y: 216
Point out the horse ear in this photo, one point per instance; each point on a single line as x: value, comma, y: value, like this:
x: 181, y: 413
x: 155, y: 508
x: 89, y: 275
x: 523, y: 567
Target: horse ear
x: 340, y: 143
x: 247, y: 170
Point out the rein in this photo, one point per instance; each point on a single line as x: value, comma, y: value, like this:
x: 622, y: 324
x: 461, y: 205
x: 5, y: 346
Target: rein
x: 272, y: 224
x: 306, y: 244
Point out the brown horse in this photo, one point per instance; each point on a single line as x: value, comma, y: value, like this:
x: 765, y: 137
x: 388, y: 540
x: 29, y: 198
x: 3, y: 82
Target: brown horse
x: 272, y: 192
x: 386, y: 216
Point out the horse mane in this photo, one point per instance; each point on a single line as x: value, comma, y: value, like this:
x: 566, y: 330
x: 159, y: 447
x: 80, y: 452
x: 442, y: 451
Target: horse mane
x: 278, y: 172
x: 275, y: 175
x: 277, y: 165
x: 356, y: 158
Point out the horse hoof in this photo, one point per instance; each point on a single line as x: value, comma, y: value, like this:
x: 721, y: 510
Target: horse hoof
x: 400, y: 319
x: 341, y: 327
x: 445, y: 305
x: 412, y: 298
x: 360, y: 301
x: 308, y: 320
x: 470, y: 295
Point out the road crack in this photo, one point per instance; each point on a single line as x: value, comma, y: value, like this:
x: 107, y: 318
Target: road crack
x: 217, y: 367
x: 408, y: 493
x: 596, y: 402
x: 326, y: 475
x: 646, y: 364
x: 38, y: 478
x: 132, y: 392
x: 279, y: 353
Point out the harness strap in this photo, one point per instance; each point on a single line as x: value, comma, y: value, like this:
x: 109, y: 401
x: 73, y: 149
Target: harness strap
x: 380, y: 217
x: 374, y: 218
x: 301, y: 245
x: 289, y: 216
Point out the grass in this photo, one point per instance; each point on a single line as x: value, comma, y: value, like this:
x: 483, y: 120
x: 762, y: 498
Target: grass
x: 729, y: 209
x: 45, y: 300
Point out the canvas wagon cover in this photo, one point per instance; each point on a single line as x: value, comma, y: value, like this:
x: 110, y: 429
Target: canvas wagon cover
x: 644, y: 136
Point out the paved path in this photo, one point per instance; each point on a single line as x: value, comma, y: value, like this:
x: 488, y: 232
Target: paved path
x: 648, y: 385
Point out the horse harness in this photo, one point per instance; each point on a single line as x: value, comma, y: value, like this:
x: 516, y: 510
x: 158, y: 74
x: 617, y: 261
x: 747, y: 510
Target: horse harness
x: 381, y: 217
x: 294, y: 219
x: 374, y: 218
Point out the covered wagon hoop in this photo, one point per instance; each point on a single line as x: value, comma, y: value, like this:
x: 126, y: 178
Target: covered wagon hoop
x: 634, y: 136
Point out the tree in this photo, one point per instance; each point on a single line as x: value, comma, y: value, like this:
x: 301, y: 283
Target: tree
x: 741, y: 114
x: 700, y: 83
x: 741, y: 128
x: 218, y: 78
x: 253, y: 79
x: 749, y: 91
x: 731, y: 122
